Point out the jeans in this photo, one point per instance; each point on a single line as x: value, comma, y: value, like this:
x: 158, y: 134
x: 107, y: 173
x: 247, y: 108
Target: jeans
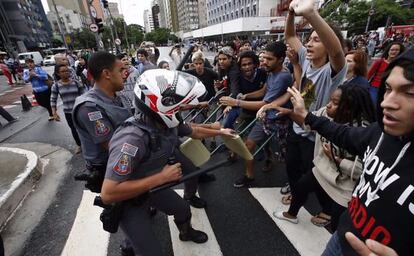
x: 333, y: 248
x: 231, y: 118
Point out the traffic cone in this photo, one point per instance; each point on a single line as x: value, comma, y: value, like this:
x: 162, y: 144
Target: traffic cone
x: 26, y: 105
x: 34, y: 102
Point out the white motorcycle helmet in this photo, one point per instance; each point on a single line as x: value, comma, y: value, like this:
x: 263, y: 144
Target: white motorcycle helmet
x: 161, y: 92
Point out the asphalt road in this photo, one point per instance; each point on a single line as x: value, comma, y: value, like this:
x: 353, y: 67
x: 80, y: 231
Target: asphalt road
x: 240, y: 219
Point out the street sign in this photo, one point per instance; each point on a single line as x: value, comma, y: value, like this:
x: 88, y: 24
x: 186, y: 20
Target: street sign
x: 93, y: 11
x: 101, y: 44
x: 93, y: 27
x: 118, y: 41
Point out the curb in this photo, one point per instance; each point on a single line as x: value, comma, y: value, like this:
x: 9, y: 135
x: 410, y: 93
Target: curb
x: 22, y: 184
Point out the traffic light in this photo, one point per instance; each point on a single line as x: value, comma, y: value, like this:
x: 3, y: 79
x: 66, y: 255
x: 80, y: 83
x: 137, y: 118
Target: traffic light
x: 105, y: 3
x: 100, y: 24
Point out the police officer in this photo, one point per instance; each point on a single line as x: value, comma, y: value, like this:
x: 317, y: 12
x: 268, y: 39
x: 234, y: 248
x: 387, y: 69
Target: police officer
x: 97, y: 114
x: 139, y: 156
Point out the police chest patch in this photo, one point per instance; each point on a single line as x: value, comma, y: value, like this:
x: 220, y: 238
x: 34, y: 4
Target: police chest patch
x: 100, y: 128
x: 123, y: 165
x: 129, y: 149
x: 96, y: 115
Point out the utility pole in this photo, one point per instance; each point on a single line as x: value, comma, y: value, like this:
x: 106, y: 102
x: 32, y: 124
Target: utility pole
x: 371, y: 12
x: 126, y: 35
x: 98, y: 38
x: 115, y: 30
x: 62, y: 33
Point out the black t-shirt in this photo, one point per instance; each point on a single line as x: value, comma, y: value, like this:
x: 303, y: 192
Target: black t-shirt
x: 247, y: 86
x: 207, y: 78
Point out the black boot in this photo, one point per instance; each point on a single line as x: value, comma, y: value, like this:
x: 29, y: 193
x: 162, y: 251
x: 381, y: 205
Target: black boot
x: 187, y: 233
x: 196, y: 202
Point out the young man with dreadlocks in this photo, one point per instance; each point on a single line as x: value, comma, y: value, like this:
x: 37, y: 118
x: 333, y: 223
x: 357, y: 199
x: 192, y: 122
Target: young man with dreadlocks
x: 335, y: 171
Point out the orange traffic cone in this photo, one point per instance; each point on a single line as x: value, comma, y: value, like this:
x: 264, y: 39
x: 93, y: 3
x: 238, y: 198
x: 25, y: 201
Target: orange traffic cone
x: 34, y: 102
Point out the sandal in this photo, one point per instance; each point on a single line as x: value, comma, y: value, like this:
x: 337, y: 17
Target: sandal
x: 268, y: 166
x: 286, y: 200
x: 321, y: 220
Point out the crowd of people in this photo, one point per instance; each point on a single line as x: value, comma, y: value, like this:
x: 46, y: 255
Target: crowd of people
x: 343, y: 129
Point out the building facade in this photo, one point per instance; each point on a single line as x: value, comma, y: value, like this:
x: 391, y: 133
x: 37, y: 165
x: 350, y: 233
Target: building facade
x: 148, y: 22
x: 187, y: 15
x: 225, y: 10
x: 113, y: 8
x: 24, y: 26
x: 173, y: 15
x: 155, y: 12
x: 202, y: 13
x: 69, y: 19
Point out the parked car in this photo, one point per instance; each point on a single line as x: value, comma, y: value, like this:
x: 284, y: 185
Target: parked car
x: 35, y: 56
x: 49, y: 60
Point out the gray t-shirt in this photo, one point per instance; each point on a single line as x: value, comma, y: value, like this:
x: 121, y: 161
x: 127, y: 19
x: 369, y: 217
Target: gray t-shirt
x: 316, y: 86
x: 276, y: 85
x: 128, y: 147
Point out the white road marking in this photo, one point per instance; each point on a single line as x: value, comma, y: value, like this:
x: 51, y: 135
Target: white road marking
x: 9, y: 106
x: 199, y: 221
x: 87, y: 236
x: 308, y: 239
x: 16, y: 102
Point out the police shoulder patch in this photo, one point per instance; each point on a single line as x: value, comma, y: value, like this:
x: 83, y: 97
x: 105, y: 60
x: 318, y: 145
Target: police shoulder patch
x: 100, y: 128
x: 96, y: 115
x: 129, y: 149
x: 123, y: 165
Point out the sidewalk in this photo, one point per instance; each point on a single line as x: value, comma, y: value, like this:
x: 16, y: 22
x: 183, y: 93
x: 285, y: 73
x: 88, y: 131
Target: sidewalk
x: 34, y: 173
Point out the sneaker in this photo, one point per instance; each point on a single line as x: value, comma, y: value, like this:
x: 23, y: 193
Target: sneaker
x: 206, y: 177
x: 243, y: 182
x: 196, y: 202
x: 51, y: 118
x: 281, y: 216
x: 285, y: 190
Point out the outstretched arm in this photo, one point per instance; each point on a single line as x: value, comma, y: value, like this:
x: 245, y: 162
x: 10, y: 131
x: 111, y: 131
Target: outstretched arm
x: 290, y: 32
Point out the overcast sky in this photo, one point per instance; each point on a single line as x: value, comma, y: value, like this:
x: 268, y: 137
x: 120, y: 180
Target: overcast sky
x: 133, y: 10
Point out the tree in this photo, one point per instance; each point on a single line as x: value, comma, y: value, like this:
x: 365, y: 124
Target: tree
x: 83, y: 39
x: 160, y: 36
x: 56, y: 43
x: 354, y: 16
x: 134, y: 33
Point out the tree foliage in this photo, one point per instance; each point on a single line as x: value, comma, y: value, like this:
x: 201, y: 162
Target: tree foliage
x: 354, y: 16
x: 86, y: 39
x: 160, y: 36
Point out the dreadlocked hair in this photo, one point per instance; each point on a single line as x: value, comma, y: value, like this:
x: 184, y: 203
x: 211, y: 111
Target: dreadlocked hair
x: 355, y: 105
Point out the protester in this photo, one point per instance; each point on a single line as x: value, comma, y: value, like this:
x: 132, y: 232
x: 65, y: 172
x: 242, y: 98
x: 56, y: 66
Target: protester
x: 164, y: 65
x: 278, y: 81
x: 144, y: 63
x: 37, y: 77
x: 336, y: 172
x: 323, y: 70
x: 357, y: 62
x: 379, y: 209
x: 176, y: 54
x: 228, y: 71
x: 82, y: 72
x: 68, y: 90
x: 131, y: 76
x: 378, y: 67
x: 6, y: 72
x: 206, y: 75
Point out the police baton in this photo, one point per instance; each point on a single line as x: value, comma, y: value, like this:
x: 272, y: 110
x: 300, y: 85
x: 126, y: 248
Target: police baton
x: 185, y: 58
x: 191, y: 176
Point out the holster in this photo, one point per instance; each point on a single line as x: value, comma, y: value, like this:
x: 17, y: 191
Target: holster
x: 110, y: 216
x: 94, y: 176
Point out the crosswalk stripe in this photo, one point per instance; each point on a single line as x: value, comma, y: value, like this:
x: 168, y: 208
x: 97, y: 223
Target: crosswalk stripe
x: 308, y: 239
x: 9, y: 106
x: 200, y: 222
x: 87, y: 236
